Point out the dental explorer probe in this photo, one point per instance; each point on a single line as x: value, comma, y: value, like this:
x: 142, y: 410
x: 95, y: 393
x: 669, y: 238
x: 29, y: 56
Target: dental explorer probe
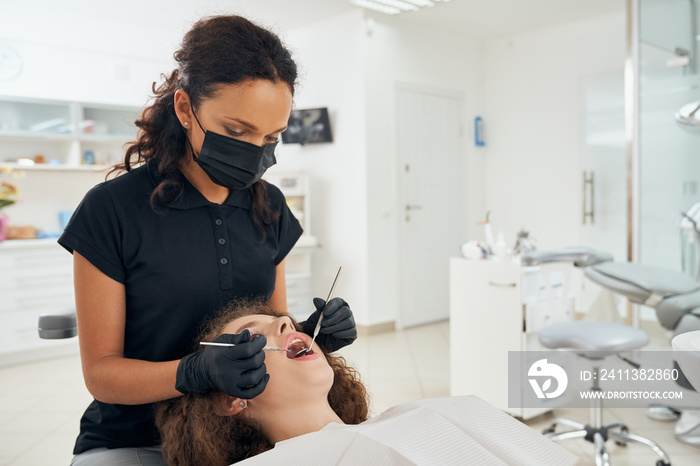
x: 320, y: 317
x: 266, y: 348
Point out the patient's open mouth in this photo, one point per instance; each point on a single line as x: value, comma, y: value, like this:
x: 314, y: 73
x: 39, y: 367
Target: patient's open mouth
x: 296, y: 347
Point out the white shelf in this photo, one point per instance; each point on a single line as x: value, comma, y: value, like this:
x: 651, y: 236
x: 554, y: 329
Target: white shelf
x: 26, y: 243
x: 61, y: 167
x: 67, y: 137
x: 31, y: 135
x: 105, y: 139
x: 306, y: 242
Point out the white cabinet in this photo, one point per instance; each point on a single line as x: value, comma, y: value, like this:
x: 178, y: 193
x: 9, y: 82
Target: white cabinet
x: 497, y: 307
x: 295, y: 187
x: 37, y: 276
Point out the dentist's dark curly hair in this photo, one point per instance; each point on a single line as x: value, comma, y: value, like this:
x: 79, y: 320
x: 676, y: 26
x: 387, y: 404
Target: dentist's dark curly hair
x: 193, y: 433
x: 218, y: 50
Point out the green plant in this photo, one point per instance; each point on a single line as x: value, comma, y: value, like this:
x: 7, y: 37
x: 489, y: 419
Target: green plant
x: 8, y: 194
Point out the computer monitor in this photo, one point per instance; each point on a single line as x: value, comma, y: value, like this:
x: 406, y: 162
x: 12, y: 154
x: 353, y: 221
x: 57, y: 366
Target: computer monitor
x: 308, y: 126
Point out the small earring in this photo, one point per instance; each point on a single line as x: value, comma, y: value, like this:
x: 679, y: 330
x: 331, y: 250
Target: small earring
x: 186, y: 123
x: 244, y: 405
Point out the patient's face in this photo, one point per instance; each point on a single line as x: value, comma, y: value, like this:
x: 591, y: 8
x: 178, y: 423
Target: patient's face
x: 291, y: 379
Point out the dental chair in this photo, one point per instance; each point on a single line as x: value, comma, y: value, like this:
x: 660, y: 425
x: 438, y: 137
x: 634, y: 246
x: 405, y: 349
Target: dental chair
x: 672, y: 294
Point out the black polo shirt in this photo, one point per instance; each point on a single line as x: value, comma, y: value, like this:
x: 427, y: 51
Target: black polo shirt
x: 177, y: 267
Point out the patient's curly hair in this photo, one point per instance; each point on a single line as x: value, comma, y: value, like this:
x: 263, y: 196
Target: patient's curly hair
x: 193, y: 434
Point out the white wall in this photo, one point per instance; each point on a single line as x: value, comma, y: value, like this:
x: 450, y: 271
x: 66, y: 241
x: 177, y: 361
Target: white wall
x: 66, y: 73
x: 68, y: 55
x: 329, y: 56
x: 408, y: 54
x: 351, y: 65
x: 531, y: 99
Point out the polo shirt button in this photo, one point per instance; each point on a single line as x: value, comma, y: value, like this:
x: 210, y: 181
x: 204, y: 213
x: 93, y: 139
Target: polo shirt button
x: 224, y: 261
x: 219, y: 221
x: 222, y: 241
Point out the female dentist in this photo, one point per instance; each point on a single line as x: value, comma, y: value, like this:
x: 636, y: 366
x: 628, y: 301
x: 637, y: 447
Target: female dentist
x: 188, y: 227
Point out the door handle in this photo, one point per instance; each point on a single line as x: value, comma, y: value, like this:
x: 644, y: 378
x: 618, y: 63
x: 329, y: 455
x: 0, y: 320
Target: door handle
x: 410, y: 207
x: 503, y: 285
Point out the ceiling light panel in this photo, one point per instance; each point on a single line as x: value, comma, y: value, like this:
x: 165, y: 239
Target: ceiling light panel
x: 421, y: 2
x: 394, y: 7
x: 370, y: 5
x: 400, y: 4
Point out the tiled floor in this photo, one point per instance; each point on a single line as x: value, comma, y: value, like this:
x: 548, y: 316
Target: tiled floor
x: 41, y: 403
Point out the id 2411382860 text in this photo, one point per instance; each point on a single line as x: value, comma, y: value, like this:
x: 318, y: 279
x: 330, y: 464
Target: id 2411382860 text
x: 630, y: 374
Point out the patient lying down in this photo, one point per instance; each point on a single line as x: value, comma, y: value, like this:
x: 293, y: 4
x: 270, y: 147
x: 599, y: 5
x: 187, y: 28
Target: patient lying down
x: 314, y: 411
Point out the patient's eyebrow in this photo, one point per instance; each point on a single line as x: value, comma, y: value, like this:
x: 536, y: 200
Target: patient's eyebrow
x: 247, y: 325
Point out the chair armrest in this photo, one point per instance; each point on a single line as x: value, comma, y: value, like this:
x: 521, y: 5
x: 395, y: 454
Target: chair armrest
x: 581, y: 256
x: 58, y: 323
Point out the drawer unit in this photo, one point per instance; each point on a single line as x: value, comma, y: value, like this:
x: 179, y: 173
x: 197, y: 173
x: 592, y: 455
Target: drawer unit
x: 497, y: 307
x: 299, y: 299
x: 537, y: 285
x: 298, y: 285
x: 538, y: 314
x: 37, y: 277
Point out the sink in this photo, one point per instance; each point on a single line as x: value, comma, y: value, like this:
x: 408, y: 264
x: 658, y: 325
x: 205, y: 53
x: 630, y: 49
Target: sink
x: 687, y: 349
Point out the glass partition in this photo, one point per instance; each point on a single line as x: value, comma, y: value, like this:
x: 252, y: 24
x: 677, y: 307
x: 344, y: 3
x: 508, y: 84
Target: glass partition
x: 604, y: 163
x: 648, y: 214
x: 669, y: 151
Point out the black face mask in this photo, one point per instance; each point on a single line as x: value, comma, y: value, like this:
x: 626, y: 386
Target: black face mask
x: 232, y: 163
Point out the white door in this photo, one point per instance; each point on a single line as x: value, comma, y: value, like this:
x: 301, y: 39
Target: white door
x: 432, y: 173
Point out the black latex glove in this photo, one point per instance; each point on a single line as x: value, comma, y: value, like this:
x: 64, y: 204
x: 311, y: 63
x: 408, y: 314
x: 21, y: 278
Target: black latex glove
x: 337, y: 327
x: 238, y: 371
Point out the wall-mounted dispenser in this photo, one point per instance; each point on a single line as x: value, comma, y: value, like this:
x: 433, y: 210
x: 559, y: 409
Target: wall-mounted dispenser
x: 479, y: 131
